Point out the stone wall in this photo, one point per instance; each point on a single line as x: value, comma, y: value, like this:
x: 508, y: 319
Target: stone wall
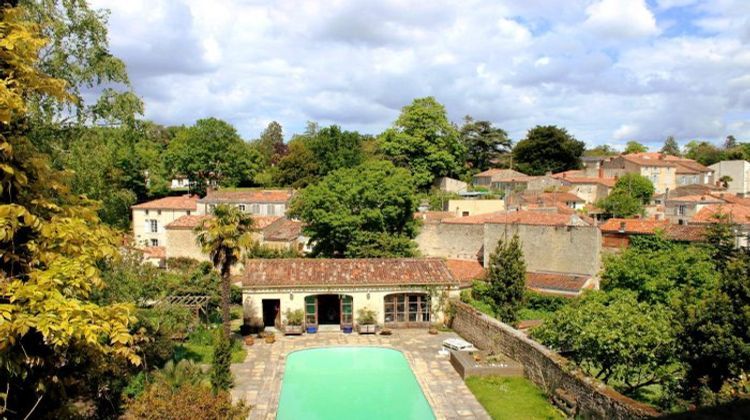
x: 563, y: 249
x: 451, y: 240
x: 557, y: 376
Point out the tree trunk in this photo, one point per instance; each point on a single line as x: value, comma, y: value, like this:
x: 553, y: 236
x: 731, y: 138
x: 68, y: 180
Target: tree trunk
x: 225, y: 286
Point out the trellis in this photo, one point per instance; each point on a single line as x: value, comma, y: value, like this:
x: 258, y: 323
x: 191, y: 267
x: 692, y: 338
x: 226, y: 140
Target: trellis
x: 195, y: 303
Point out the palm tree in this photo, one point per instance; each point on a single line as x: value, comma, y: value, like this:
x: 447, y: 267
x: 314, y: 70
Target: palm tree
x: 224, y: 238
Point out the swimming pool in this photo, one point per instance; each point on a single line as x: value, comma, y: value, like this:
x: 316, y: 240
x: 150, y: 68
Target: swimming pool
x: 350, y: 383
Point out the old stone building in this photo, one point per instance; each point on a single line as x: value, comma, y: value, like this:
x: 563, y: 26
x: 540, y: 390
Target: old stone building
x: 150, y: 218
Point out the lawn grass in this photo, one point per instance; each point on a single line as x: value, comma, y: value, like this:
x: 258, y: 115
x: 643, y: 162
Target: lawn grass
x: 511, y: 398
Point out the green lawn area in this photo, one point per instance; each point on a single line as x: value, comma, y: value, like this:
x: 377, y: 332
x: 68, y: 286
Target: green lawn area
x: 512, y: 398
x: 199, y: 347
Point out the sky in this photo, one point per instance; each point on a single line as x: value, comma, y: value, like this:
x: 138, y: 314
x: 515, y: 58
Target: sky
x: 608, y: 71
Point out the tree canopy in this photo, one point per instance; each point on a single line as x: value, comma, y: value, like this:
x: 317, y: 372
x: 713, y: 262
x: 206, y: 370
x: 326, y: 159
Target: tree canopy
x: 424, y: 141
x: 212, y: 151
x: 547, y: 148
x: 630, y: 193
x: 485, y: 145
x: 365, y: 211
x: 671, y: 147
x: 634, y: 147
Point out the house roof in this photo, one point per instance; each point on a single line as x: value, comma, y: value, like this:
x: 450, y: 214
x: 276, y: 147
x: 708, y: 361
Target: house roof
x: 737, y: 213
x: 550, y: 197
x: 731, y: 198
x: 465, y: 271
x: 320, y: 272
x: 685, y: 233
x: 247, y: 196
x: 522, y: 217
x: 192, y: 221
x: 183, y: 202
x: 633, y: 226
x: 689, y: 166
x: 608, y: 182
x: 696, y: 198
x: 649, y: 159
x: 556, y: 282
x: 282, y: 229
x: 520, y: 178
x: 158, y: 252
x: 496, y: 173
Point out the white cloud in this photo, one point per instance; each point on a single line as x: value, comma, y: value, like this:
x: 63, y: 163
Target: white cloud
x: 602, y: 69
x: 621, y: 19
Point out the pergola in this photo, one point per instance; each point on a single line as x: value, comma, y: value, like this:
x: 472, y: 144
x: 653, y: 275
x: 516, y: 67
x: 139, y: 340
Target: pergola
x: 195, y: 303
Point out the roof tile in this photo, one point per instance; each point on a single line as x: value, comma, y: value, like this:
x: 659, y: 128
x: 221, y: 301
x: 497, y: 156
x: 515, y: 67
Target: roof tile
x: 183, y: 202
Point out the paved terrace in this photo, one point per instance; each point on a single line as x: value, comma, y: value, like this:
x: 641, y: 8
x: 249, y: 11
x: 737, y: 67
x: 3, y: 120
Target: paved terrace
x: 258, y: 378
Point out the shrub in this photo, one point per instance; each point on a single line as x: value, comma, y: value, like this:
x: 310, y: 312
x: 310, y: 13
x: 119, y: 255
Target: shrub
x: 221, y: 377
x: 189, y: 401
x: 547, y: 303
x: 366, y: 316
x: 295, y: 317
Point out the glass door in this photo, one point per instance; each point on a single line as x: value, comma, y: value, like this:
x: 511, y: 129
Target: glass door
x: 311, y: 310
x: 346, y: 310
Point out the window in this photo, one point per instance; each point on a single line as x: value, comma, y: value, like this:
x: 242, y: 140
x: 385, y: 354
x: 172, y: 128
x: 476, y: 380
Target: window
x: 154, y: 224
x: 407, y: 307
x: 346, y: 310
x: 271, y: 210
x: 681, y: 209
x: 311, y: 310
x: 146, y: 212
x: 154, y: 242
x: 464, y: 213
x: 211, y: 208
x: 158, y: 212
x: 242, y: 207
x: 255, y: 208
x: 188, y: 212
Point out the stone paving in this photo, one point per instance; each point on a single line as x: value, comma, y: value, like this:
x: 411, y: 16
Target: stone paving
x: 258, y: 378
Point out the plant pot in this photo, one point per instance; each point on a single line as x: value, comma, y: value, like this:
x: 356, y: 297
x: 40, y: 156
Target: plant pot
x: 312, y: 329
x: 270, y: 339
x: 293, y: 330
x: 386, y: 331
x: 366, y: 328
x: 347, y: 329
x: 249, y: 340
x: 433, y: 331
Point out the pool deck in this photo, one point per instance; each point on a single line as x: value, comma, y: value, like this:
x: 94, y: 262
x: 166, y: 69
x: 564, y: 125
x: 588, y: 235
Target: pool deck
x: 258, y: 378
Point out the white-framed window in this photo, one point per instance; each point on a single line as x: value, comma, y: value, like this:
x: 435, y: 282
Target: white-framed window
x: 154, y: 225
x: 681, y: 209
x: 241, y: 207
x: 154, y: 242
x: 271, y: 210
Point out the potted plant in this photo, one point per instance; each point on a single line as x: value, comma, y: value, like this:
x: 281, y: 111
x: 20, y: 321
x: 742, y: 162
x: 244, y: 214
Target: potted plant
x: 385, y: 331
x: 366, y: 321
x: 270, y: 338
x: 433, y: 329
x: 249, y: 340
x: 312, y: 328
x: 294, y: 320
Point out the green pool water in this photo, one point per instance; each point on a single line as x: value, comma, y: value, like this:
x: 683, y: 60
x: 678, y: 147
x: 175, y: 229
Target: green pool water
x: 350, y: 383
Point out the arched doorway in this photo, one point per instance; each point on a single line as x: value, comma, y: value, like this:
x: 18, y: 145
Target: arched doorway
x: 329, y: 309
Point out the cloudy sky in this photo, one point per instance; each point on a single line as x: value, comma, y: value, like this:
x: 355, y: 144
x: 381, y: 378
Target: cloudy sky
x: 607, y: 70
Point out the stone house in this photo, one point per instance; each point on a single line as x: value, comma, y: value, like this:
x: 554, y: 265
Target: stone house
x: 738, y: 170
x: 682, y: 209
x: 403, y: 292
x: 470, y: 207
x: 591, y: 190
x: 526, y: 183
x: 486, y: 178
x: 617, y: 233
x: 255, y: 202
x: 450, y: 185
x: 737, y: 213
x: 150, y: 218
x: 664, y: 171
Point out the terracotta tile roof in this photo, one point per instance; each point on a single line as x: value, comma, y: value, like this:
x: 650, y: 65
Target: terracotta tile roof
x: 633, y: 226
x: 737, y: 213
x: 434, y: 216
x: 521, y: 178
x: 686, y: 233
x: 247, y: 196
x: 465, y: 271
x: 649, y: 159
x: 183, y: 202
x: 523, y: 217
x: 283, y: 229
x: 551, y: 197
x: 689, y: 166
x: 158, y: 252
x: 320, y: 272
x: 498, y: 174
x: 609, y: 182
x: 556, y: 282
x: 192, y: 221
x: 731, y: 198
x: 697, y: 198
x: 574, y: 173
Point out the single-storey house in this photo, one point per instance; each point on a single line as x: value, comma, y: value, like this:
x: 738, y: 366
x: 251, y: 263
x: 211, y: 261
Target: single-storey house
x: 403, y: 292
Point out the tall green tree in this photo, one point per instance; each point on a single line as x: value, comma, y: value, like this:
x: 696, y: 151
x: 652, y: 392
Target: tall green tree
x: 634, y: 147
x: 52, y: 248
x: 506, y: 279
x: 271, y: 144
x: 298, y: 168
x: 616, y: 338
x: 212, y: 151
x: 424, y: 141
x: 671, y: 147
x: 334, y: 148
x: 547, y: 148
x: 603, y: 150
x: 365, y: 211
x: 484, y: 143
x: 630, y: 193
x: 703, y: 152
x: 225, y: 237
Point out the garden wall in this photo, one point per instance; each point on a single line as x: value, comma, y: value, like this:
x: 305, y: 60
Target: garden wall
x: 557, y: 376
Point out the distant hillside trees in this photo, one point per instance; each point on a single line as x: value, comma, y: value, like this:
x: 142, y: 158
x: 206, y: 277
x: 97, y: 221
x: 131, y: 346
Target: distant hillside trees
x: 547, y: 149
x: 424, y: 141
